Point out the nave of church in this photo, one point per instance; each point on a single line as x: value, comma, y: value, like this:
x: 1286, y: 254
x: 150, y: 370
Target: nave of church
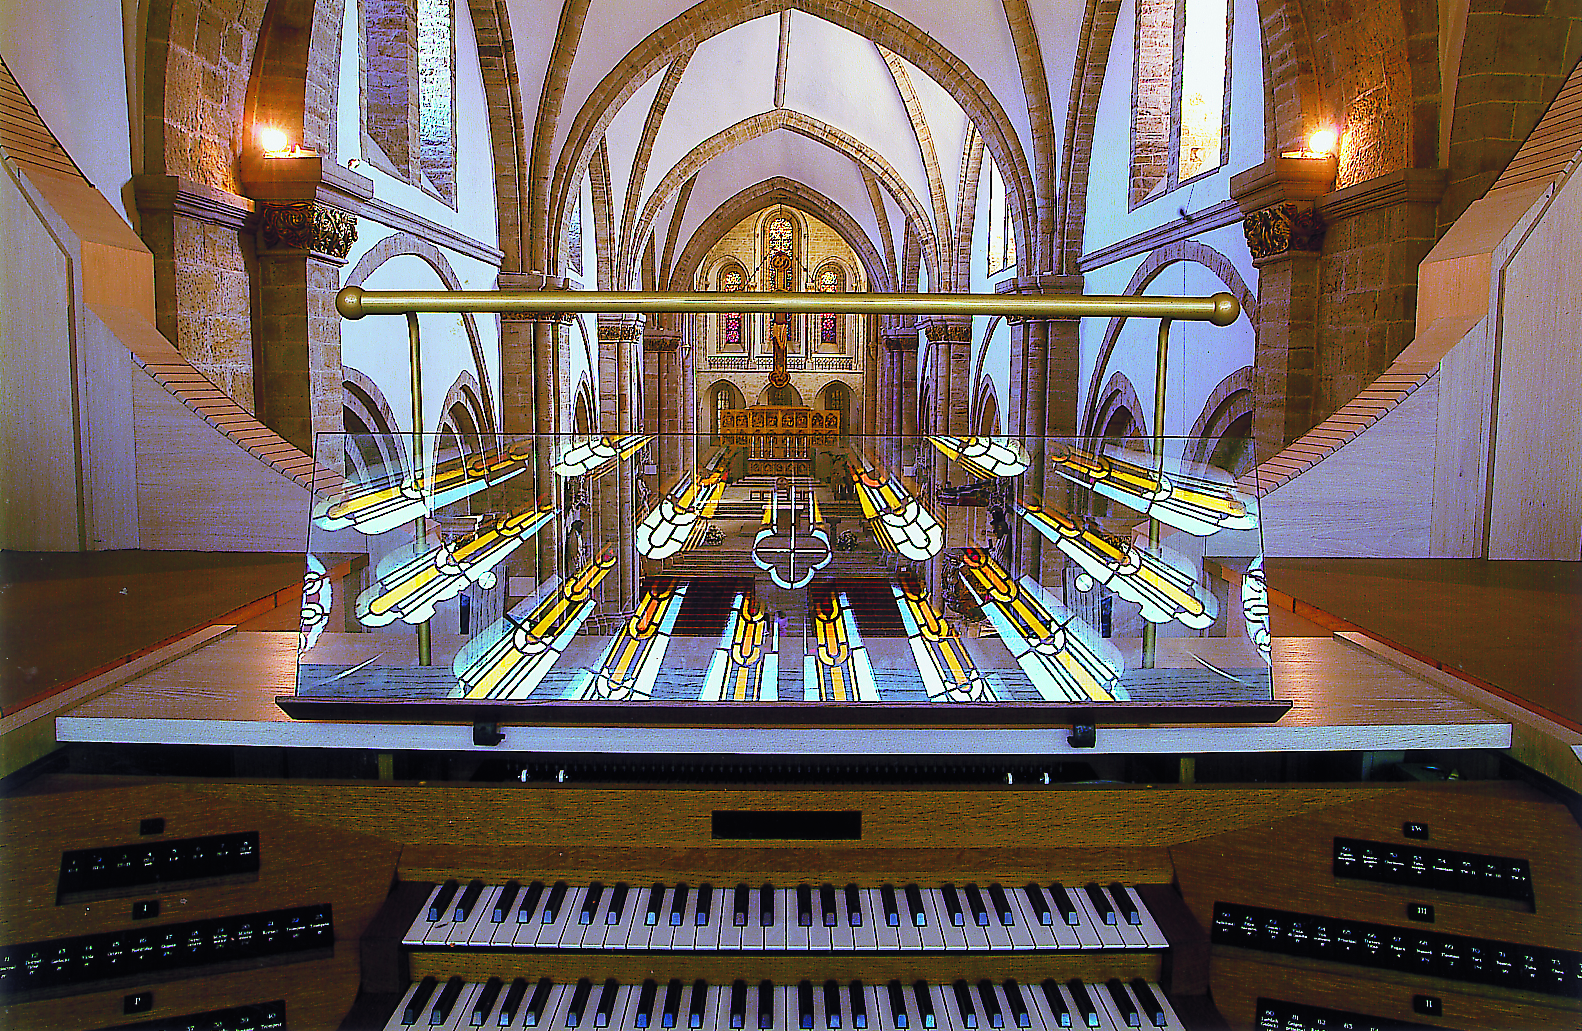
x: 805, y: 514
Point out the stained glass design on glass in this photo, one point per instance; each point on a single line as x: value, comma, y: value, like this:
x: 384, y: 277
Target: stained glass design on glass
x: 731, y: 322
x: 742, y: 585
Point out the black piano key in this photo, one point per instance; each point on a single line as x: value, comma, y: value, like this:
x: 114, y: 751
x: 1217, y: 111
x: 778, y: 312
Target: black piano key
x: 766, y: 1005
x: 678, y: 905
x: 485, y: 1001
x: 441, y: 904
x: 1123, y: 1002
x: 557, y: 898
x: 1062, y: 902
x: 579, y: 1002
x: 952, y: 905
x: 601, y: 1016
x: 1018, y: 1005
x: 853, y: 906
x: 738, y: 1004
x: 656, y: 903
x: 914, y: 905
x: 739, y: 906
x: 826, y: 901
x: 966, y: 1013
x: 804, y: 905
x: 1101, y: 904
x: 672, y: 1003
x: 897, y: 1004
x: 700, y: 994
x: 892, y: 914
x: 1035, y: 896
x: 512, y: 1003
x: 925, y: 1004
x: 705, y: 904
x: 535, y: 1005
x: 645, y: 1003
x: 991, y: 1004
x: 504, y: 901
x: 1124, y: 903
x: 832, y: 1005
x: 1150, y: 1003
x: 447, y: 1001
x: 590, y: 903
x: 1057, y: 1002
x: 419, y: 999
x: 980, y: 912
x: 1002, y: 906
x: 617, y: 904
x: 859, y: 1007
x: 766, y: 906
x: 469, y: 898
x: 804, y: 1005
x: 530, y: 899
x: 1085, y: 1006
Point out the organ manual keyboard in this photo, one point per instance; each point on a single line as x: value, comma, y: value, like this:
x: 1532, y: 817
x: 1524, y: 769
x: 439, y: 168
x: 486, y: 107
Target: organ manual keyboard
x: 765, y: 907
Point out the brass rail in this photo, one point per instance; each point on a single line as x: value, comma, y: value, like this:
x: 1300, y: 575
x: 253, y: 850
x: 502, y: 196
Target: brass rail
x: 354, y: 302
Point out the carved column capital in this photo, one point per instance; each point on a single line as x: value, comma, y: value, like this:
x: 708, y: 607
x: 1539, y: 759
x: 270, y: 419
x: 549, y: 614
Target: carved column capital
x: 324, y: 231
x: 1283, y: 229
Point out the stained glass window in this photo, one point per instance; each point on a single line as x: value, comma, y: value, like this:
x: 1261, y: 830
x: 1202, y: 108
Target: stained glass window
x: 731, y: 323
x: 780, y: 235
x: 829, y: 282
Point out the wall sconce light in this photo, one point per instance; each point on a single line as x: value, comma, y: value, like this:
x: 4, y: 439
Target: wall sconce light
x: 1321, y: 143
x: 276, y: 144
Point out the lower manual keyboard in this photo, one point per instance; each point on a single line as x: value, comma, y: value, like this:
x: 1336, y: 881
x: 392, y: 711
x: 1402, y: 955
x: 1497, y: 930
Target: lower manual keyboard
x: 803, y: 919
x: 656, y: 1005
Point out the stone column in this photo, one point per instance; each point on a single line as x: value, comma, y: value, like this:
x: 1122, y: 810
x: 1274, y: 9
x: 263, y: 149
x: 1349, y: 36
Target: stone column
x: 1284, y: 234
x: 620, y: 339
x: 297, y: 340
x: 663, y: 399
x: 900, y: 397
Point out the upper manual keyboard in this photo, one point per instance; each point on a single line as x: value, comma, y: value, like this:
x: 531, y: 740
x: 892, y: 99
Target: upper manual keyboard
x: 964, y: 917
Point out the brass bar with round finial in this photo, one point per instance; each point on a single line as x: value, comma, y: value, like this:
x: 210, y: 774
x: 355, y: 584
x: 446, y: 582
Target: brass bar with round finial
x: 354, y: 302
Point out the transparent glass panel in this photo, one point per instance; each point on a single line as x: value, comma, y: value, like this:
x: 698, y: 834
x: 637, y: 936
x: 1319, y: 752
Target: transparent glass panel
x: 785, y: 561
x: 1203, y: 63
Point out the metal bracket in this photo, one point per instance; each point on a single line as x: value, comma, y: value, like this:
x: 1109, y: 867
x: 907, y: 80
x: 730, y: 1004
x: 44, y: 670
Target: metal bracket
x: 487, y: 735
x: 1083, y: 735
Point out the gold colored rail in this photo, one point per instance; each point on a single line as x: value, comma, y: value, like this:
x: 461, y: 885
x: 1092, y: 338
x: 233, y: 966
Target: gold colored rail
x: 354, y: 302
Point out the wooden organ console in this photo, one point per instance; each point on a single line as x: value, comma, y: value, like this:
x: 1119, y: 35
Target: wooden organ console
x: 299, y: 904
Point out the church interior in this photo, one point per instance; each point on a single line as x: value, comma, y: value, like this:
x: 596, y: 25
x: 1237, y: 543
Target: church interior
x: 800, y: 514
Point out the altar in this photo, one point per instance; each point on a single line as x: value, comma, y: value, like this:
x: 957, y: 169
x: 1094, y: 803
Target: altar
x: 779, y: 440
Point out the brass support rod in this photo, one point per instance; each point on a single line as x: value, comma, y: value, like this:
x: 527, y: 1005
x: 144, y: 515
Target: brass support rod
x: 1161, y: 365
x: 354, y: 302
x: 425, y: 651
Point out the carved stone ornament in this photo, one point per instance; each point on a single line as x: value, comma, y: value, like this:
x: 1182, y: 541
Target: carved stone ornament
x: 949, y: 332
x: 900, y: 341
x: 309, y: 226
x: 558, y: 318
x: 617, y: 333
x: 1281, y: 229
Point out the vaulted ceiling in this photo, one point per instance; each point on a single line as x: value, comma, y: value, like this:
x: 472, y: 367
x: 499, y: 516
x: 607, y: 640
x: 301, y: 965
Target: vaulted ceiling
x: 873, y: 108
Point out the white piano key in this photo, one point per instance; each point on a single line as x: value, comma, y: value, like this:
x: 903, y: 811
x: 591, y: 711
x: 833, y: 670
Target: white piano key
x: 565, y: 927
x: 1038, y: 1007
x: 1153, y: 936
x: 954, y: 938
x: 788, y: 917
x: 932, y: 933
x: 1035, y: 1018
x: 1109, y: 935
x: 491, y: 1016
x: 752, y: 932
x: 787, y: 1012
x: 885, y: 937
x: 729, y: 936
x: 421, y: 925
x: 683, y: 935
x: 1172, y: 1020
x: 864, y: 937
x: 460, y: 1015
x: 944, y: 1007
x: 1100, y: 1019
x: 1022, y: 933
x: 716, y: 1007
x: 1000, y: 936
x: 706, y: 936
x: 1087, y: 933
x: 889, y: 1017
x: 478, y: 927
x: 589, y: 935
x: 554, y: 1016
x: 621, y: 935
x: 843, y: 936
x: 1100, y: 993
x: 871, y: 1011
x: 395, y: 1021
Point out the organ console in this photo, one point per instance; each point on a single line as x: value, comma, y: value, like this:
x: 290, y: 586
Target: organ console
x: 232, y: 903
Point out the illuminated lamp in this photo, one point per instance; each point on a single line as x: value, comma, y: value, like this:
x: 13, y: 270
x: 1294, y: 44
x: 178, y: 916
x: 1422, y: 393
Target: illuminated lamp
x: 1322, y: 142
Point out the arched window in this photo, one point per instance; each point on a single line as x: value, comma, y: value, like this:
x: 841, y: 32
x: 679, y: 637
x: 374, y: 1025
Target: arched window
x: 780, y: 238
x: 420, y: 150
x: 831, y: 280
x: 1179, y: 93
x: 731, y: 280
x: 780, y: 265
x: 1001, y: 239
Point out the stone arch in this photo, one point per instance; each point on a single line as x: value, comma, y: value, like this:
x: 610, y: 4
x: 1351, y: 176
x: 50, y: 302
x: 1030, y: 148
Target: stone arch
x: 1230, y: 399
x: 704, y: 20
x: 986, y: 406
x: 364, y: 402
x: 793, y: 395
x: 405, y: 243
x: 1156, y: 262
x: 820, y: 132
x: 716, y: 281
x: 978, y: 375
x: 1292, y: 103
x: 583, y: 407
x: 735, y: 400
x: 462, y: 413
x: 776, y: 191
x: 1120, y: 400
